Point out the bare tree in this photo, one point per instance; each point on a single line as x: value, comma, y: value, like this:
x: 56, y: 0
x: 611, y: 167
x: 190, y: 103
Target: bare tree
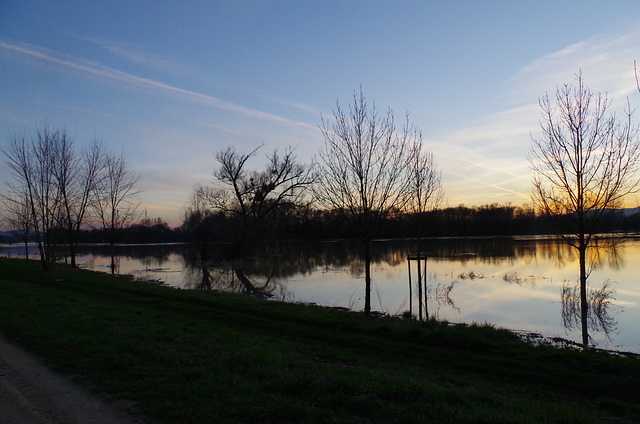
x: 77, y: 175
x: 584, y: 164
x: 58, y: 184
x: 32, y: 160
x: 363, y: 170
x: 18, y: 216
x: 254, y: 197
x: 426, y: 194
x: 115, y: 197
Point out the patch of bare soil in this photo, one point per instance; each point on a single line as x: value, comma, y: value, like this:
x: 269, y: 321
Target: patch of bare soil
x: 30, y: 393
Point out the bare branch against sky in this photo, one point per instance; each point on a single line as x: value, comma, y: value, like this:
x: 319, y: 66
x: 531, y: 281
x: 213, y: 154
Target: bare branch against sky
x: 166, y: 83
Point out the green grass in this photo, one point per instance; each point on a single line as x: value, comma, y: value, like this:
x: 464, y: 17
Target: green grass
x: 189, y: 356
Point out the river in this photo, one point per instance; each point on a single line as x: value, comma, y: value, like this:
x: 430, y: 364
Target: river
x: 520, y: 283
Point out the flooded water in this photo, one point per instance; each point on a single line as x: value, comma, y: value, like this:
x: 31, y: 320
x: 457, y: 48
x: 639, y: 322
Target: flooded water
x: 527, y: 284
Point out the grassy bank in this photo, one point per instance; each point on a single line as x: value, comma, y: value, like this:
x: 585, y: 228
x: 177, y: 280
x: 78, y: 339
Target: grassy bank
x: 186, y: 356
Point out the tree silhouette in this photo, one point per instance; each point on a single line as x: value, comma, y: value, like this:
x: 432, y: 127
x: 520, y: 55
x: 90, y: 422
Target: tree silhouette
x: 364, y: 170
x: 253, y: 198
x: 116, y: 197
x: 584, y: 163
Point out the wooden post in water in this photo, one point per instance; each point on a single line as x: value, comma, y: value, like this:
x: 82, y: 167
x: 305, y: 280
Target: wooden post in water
x: 422, y: 277
x: 419, y: 288
x: 426, y: 309
x: 410, y: 287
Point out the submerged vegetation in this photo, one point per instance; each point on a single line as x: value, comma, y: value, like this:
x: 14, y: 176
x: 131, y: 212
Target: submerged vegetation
x: 193, y: 356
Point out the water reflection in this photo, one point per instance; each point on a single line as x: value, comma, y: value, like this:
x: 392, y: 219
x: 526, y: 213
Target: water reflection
x: 276, y: 265
x: 440, y: 294
x: 216, y: 272
x: 519, y: 283
x: 583, y: 306
x: 600, y: 309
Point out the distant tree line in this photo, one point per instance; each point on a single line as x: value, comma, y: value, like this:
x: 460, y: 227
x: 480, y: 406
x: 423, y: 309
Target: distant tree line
x: 146, y: 231
x: 459, y: 221
x: 313, y: 224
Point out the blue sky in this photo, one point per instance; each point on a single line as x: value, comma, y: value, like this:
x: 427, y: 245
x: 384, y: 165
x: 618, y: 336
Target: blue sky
x: 171, y: 83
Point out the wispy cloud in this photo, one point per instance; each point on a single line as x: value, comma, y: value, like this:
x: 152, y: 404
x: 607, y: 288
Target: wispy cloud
x: 96, y: 69
x: 477, y: 178
x: 485, y: 161
x: 159, y: 63
x: 605, y: 59
x: 133, y: 54
x: 488, y: 158
x: 295, y: 105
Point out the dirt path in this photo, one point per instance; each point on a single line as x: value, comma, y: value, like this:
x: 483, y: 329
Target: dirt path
x: 30, y: 393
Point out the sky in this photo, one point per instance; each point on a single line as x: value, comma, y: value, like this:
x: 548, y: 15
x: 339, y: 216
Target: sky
x: 171, y: 83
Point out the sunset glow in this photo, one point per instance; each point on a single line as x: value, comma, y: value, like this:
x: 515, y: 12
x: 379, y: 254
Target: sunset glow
x: 171, y: 83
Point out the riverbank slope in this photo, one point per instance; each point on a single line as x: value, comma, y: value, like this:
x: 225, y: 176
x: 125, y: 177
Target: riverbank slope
x: 192, y: 356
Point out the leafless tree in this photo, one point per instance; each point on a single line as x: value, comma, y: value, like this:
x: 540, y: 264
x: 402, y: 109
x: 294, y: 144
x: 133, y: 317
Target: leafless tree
x: 584, y: 164
x: 77, y: 174
x: 58, y: 184
x: 18, y: 216
x: 425, y: 195
x: 254, y: 197
x: 32, y: 160
x: 426, y: 192
x: 115, y: 197
x: 364, y: 170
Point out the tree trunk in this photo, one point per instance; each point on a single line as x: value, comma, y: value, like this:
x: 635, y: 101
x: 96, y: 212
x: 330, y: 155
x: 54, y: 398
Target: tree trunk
x: 73, y: 255
x: 205, y: 284
x: 584, y: 306
x: 249, y: 287
x: 410, y: 287
x: 43, y: 253
x: 113, y: 259
x: 426, y: 307
x: 367, y: 276
x: 45, y: 256
x: 419, y: 286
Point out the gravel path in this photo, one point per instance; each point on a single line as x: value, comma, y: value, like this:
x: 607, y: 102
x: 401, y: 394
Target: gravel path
x: 30, y: 393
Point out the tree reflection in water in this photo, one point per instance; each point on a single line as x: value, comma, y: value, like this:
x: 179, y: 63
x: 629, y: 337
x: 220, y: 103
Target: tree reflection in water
x: 440, y: 294
x: 520, y: 276
x: 266, y: 266
x: 600, y: 311
x: 214, y: 273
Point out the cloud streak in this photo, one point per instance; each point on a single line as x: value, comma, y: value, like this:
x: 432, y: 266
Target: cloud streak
x: 146, y: 59
x: 606, y: 61
x: 92, y: 68
x: 486, y: 160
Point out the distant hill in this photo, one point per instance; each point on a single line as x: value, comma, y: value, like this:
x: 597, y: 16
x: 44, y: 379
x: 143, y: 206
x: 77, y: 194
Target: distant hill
x: 628, y: 212
x: 12, y: 237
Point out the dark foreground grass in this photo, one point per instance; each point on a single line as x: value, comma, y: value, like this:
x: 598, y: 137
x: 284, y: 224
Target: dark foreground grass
x: 205, y: 357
